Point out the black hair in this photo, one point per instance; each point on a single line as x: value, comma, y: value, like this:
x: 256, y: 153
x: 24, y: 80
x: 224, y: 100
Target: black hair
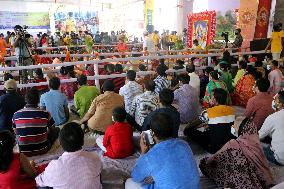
x: 269, y: 56
x: 258, y: 63
x: 108, y: 85
x: 110, y: 68
x: 162, y: 126
x: 39, y: 73
x: 184, y: 78
x: 82, y: 80
x: 276, y: 28
x: 142, y: 67
x: 161, y: 70
x: 180, y: 62
x: 243, y: 64
x: 8, y: 76
x: 220, y: 96
x: 150, y: 85
x: 162, y: 61
x: 208, y: 69
x: 63, y: 71
x: 7, y: 143
x: 214, y: 74
x: 119, y: 114
x: 166, y: 97
x: 281, y: 97
x: 275, y: 63
x: 131, y: 75
x: 71, y: 137
x: 190, y: 68
x: 32, y: 96
x: 54, y: 83
x: 118, y: 68
x: 223, y: 66
x: 251, y: 70
x: 262, y: 84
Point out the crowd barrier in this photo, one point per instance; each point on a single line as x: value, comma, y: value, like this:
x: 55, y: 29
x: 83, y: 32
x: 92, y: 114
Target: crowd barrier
x: 97, y: 62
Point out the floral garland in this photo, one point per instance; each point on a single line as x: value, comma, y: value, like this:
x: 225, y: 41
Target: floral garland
x: 209, y: 16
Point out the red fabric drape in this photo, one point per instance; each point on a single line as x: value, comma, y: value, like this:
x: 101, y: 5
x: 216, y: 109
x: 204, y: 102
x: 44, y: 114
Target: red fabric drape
x: 262, y: 20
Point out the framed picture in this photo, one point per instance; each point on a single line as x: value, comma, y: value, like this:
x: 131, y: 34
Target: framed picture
x: 201, y: 26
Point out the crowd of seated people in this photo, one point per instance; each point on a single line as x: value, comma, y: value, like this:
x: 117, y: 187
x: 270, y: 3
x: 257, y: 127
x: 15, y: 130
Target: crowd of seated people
x: 156, y: 109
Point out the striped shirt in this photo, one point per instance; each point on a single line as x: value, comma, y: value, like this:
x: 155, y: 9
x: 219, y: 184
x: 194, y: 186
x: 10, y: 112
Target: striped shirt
x: 161, y: 83
x: 30, y: 125
x: 129, y: 91
x: 143, y: 105
x: 118, y: 82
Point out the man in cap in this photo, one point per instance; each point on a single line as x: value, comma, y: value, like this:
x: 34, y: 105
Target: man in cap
x: 9, y: 104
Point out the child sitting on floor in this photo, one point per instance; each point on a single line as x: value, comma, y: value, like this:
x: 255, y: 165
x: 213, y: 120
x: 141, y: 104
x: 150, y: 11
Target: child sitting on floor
x: 117, y: 142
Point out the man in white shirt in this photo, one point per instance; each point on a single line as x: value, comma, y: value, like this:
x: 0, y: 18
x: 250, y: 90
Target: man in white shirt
x: 194, y: 78
x: 273, y: 128
x: 130, y: 90
x: 148, y: 43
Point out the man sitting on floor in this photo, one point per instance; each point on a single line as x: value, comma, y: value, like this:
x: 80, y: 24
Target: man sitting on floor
x: 168, y: 164
x: 99, y: 115
x: 34, y: 128
x: 166, y: 98
x: 55, y: 102
x: 273, y: 129
x: 161, y: 80
x: 130, y: 90
x: 75, y: 168
x: 220, y: 119
x: 117, y: 142
x: 259, y: 106
x: 187, y: 99
x: 84, y: 96
x: 144, y: 104
x: 194, y: 78
x: 9, y: 104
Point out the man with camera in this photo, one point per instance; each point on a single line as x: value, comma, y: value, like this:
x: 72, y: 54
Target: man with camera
x: 22, y: 49
x: 238, y: 40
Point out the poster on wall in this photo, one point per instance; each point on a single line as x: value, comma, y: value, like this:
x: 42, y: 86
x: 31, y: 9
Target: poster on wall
x: 34, y: 20
x: 76, y: 21
x: 202, y: 26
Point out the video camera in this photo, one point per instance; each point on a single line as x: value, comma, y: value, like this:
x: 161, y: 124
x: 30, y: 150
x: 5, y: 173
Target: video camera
x: 22, y: 31
x: 225, y: 35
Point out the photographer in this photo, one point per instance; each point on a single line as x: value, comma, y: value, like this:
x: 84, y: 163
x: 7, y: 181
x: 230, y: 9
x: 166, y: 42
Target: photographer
x: 238, y: 40
x: 22, y: 49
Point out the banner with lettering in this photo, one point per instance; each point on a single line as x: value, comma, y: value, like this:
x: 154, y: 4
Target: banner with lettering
x: 34, y: 20
x: 149, y: 12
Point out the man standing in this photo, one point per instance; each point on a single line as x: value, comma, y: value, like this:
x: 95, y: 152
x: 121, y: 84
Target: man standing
x: 148, y: 44
x: 9, y: 104
x: 238, y: 40
x: 276, y: 42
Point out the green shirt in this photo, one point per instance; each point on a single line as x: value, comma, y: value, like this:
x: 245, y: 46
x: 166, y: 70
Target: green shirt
x: 84, y: 97
x: 239, y: 75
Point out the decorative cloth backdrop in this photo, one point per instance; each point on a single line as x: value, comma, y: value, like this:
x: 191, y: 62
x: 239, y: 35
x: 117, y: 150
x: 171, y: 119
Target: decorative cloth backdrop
x: 201, y: 26
x: 262, y: 19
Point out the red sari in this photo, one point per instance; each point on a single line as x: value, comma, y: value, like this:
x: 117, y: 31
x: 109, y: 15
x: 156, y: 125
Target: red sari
x: 243, y: 91
x: 14, y: 179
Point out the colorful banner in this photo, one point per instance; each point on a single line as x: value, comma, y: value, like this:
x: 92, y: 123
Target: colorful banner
x: 247, y: 22
x: 262, y: 19
x: 149, y: 12
x: 76, y: 21
x: 202, y: 26
x: 34, y: 20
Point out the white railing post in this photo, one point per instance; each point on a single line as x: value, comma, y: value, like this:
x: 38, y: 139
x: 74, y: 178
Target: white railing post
x: 96, y: 71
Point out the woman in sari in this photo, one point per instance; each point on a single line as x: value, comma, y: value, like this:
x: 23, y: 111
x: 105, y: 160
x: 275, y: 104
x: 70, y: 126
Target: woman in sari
x: 244, y: 88
x: 241, y: 162
x: 214, y: 83
x: 226, y: 76
x: 69, y: 88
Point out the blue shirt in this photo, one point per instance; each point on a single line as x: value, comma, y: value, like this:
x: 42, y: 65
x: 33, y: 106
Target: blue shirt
x: 54, y: 101
x: 171, y: 165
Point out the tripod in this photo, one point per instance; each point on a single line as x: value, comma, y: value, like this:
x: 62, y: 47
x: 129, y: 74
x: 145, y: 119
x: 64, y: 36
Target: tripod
x: 24, y: 60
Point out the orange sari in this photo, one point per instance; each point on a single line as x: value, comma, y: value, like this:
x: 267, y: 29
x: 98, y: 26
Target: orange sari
x: 243, y: 91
